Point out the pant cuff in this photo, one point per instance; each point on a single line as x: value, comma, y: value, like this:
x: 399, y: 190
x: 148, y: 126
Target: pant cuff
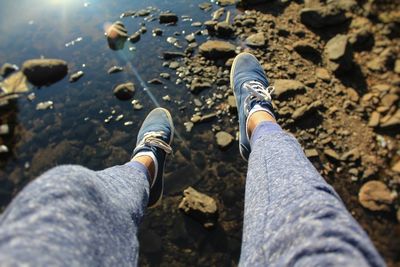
x: 264, y: 128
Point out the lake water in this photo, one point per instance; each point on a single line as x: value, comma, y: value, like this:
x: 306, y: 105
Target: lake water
x: 75, y: 131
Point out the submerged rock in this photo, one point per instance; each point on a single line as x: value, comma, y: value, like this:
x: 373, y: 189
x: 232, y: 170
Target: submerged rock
x: 115, y: 69
x: 44, y: 105
x: 116, y: 35
x: 76, y: 76
x: 124, y: 91
x: 217, y: 49
x: 40, y: 72
x: 167, y: 55
x: 376, y: 196
x: 224, y: 139
x: 200, y: 207
x: 168, y: 18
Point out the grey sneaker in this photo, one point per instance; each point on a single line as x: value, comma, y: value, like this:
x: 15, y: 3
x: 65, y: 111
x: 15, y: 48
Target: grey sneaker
x: 250, y: 87
x: 155, y: 135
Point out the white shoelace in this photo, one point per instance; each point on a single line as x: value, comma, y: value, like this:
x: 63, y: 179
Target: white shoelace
x: 152, y: 139
x: 256, y: 91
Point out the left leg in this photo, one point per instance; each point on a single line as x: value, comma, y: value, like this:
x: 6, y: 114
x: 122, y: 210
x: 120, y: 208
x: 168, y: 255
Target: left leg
x: 73, y: 216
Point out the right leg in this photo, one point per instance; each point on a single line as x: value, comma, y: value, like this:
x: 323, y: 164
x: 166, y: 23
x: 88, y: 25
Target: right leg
x: 292, y: 216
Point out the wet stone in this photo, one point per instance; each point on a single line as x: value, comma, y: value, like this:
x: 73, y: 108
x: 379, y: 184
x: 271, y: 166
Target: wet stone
x: 124, y: 91
x: 7, y: 69
x: 134, y: 38
x: 115, y: 69
x: 224, y: 29
x: 41, y: 72
x: 190, y: 38
x: 224, y: 139
x: 200, y: 207
x: 116, y: 35
x: 198, y: 86
x: 376, y: 196
x: 167, y: 55
x: 165, y: 75
x: 76, y: 76
x: 157, y: 32
x: 155, y: 81
x: 168, y: 18
x: 44, y: 105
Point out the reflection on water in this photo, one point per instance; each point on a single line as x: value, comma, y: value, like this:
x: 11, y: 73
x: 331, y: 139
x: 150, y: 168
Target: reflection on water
x: 74, y: 131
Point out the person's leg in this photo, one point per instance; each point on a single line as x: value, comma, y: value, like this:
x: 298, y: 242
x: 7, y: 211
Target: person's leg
x: 292, y: 216
x: 73, y: 216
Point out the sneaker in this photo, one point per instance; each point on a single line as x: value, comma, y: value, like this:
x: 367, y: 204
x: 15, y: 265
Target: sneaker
x: 154, y: 139
x: 252, y: 92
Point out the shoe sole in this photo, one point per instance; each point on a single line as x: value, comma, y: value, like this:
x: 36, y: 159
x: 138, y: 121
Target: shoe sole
x: 158, y: 202
x: 233, y: 89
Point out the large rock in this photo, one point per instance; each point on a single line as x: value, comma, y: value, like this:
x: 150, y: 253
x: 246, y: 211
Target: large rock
x: 284, y: 87
x: 256, y: 40
x: 322, y: 16
x: 376, y: 196
x: 217, y: 49
x: 200, y: 207
x: 224, y: 29
x: 338, y: 54
x: 40, y: 72
x: 124, y: 91
x: 116, y: 35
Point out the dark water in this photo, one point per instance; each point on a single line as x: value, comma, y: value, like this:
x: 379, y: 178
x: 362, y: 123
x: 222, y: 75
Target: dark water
x: 74, y: 132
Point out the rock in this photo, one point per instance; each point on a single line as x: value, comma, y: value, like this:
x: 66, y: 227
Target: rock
x: 246, y: 3
x: 200, y: 207
x: 217, y: 49
x: 375, y: 196
x: 167, y: 55
x: 338, y: 54
x: 155, y: 81
x: 41, y: 72
x: 311, y: 153
x: 226, y: 2
x: 306, y: 49
x: 15, y: 83
x: 124, y: 91
x: 224, y: 139
x: 188, y: 126
x: 217, y: 14
x: 389, y: 100
x: 127, y: 14
x: 256, y: 40
x: 197, y: 86
x: 168, y: 18
x: 76, y: 76
x: 136, y: 104
x: 391, y: 122
x: 4, y: 149
x: 362, y: 39
x: 134, y: 38
x: 305, y: 110
x: 196, y: 24
x: 143, y: 30
x: 396, y: 167
x: 284, y: 87
x: 7, y: 69
x: 143, y: 12
x: 190, y: 38
x: 173, y: 65
x: 157, y: 32
x: 115, y: 69
x: 165, y: 75
x: 205, y: 6
x: 330, y: 153
x: 224, y: 29
x: 44, y: 105
x: 374, y: 119
x: 4, y: 129
x: 323, y: 74
x: 397, y: 66
x: 166, y: 98
x: 319, y: 17
x: 116, y: 35
x: 210, y: 25
x: 352, y: 155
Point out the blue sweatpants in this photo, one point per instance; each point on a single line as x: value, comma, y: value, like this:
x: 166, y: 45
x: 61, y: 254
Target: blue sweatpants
x: 73, y: 216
